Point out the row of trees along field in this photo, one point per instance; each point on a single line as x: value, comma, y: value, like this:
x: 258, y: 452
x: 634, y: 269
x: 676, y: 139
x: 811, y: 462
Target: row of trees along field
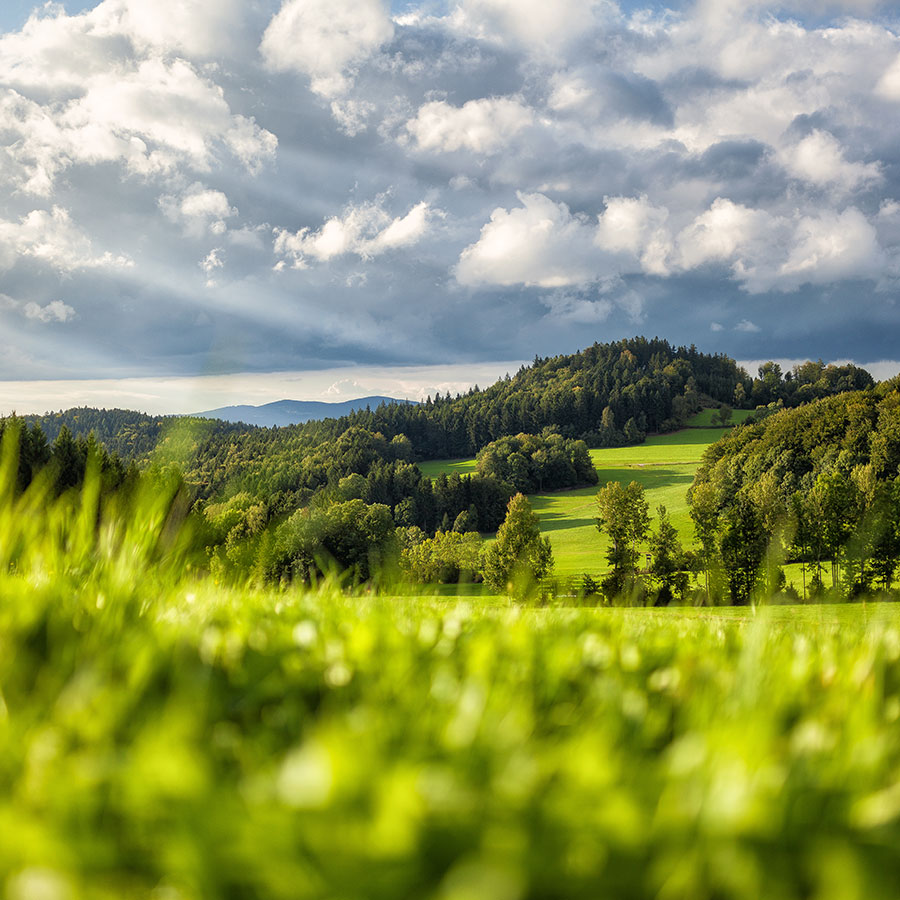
x: 818, y: 485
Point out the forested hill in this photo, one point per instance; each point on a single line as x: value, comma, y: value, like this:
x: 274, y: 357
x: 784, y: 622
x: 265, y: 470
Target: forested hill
x: 608, y: 394
x: 793, y: 447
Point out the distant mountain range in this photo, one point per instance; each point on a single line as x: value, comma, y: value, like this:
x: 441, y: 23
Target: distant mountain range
x: 293, y: 412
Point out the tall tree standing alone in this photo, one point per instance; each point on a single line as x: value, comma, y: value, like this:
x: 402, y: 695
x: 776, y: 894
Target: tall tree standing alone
x: 520, y: 557
x: 624, y: 515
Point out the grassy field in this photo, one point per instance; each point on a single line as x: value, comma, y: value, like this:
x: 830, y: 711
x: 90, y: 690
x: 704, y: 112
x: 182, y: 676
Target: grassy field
x: 664, y: 465
x: 433, y: 467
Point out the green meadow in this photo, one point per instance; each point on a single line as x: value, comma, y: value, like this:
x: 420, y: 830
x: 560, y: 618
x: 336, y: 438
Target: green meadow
x: 663, y: 465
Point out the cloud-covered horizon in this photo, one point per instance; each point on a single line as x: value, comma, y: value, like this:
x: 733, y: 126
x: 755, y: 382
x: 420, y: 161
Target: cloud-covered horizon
x: 303, y: 184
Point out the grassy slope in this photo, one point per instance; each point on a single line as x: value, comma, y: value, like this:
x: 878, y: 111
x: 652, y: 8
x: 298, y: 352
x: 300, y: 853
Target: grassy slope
x: 664, y: 465
x: 433, y: 467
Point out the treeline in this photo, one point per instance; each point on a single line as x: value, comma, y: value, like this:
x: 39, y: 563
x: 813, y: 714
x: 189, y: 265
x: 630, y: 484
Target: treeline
x: 802, y: 384
x: 65, y: 460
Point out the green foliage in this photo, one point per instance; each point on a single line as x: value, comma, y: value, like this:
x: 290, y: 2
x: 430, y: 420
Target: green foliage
x: 531, y: 462
x: 353, y: 540
x: 624, y: 514
x: 520, y: 557
x: 743, y: 542
x: 723, y: 415
x: 667, y: 559
x: 820, y: 479
x: 447, y: 558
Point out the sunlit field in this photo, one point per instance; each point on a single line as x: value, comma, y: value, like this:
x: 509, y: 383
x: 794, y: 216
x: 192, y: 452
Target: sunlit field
x: 663, y: 465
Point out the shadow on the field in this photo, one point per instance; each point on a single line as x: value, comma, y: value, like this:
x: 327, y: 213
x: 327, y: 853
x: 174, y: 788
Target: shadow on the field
x: 649, y: 477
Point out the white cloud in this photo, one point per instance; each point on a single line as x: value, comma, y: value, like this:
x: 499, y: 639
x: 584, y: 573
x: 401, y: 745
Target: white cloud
x: 52, y: 238
x: 767, y: 252
x: 831, y: 247
x: 481, y: 126
x: 819, y: 159
x: 54, y: 311
x: 747, y: 327
x: 199, y: 209
x: 211, y: 263
x: 544, y: 26
x: 541, y: 243
x: 889, y: 84
x: 325, y: 39
x: 366, y: 230
x: 544, y: 244
x: 636, y: 228
x: 196, y: 28
x: 725, y: 232
x: 76, y: 94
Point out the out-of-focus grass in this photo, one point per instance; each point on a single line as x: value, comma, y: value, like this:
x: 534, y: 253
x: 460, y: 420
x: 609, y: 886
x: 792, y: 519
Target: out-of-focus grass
x: 163, y: 737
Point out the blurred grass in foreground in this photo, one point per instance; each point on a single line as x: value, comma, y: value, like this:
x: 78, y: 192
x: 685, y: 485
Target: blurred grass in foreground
x: 162, y: 737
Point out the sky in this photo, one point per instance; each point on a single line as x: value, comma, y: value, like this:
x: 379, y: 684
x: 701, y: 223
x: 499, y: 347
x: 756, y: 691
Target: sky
x: 193, y: 189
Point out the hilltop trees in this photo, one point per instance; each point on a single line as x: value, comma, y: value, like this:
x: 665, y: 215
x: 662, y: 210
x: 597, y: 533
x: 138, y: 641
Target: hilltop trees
x: 815, y: 483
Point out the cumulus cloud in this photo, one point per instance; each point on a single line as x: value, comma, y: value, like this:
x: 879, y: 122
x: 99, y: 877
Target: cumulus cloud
x: 635, y: 228
x: 482, y: 126
x: 541, y: 243
x: 324, y: 39
x: 544, y: 244
x: 544, y: 26
x: 211, y: 263
x: 819, y: 159
x: 199, y: 209
x: 76, y: 93
x: 54, y: 311
x: 52, y: 238
x: 782, y: 253
x: 196, y: 28
x: 366, y: 231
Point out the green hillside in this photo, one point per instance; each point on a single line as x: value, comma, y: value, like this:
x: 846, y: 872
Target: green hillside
x: 664, y: 466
